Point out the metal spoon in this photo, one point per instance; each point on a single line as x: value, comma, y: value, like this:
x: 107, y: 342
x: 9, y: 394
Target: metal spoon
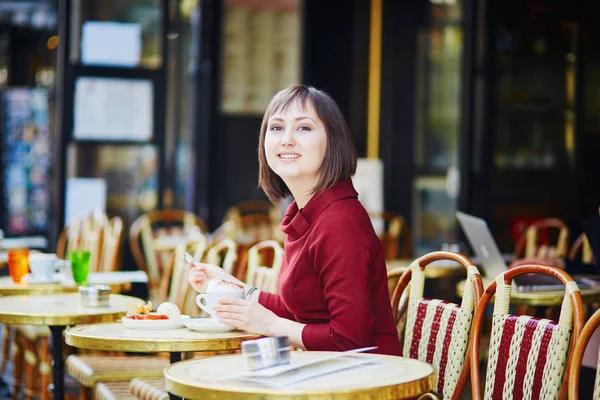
x: 188, y: 258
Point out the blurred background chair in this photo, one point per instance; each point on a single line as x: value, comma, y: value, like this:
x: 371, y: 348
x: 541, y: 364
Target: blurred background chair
x: 528, y: 357
x: 547, y: 238
x: 582, y: 247
x: 224, y: 254
x: 264, y: 263
x: 437, y: 331
x: 393, y: 233
x: 153, y: 238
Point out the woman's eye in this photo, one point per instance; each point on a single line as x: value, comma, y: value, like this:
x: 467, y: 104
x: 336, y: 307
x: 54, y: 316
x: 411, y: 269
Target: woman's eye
x: 303, y: 128
x: 275, y: 128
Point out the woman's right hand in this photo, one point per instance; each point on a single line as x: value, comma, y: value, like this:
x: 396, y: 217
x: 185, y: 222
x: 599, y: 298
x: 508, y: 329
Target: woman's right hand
x: 200, y: 274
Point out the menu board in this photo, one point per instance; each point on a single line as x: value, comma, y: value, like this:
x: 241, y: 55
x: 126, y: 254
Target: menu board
x: 261, y: 52
x: 113, y: 109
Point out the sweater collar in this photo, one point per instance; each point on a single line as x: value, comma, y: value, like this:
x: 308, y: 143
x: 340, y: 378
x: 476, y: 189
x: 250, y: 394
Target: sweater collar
x: 296, y: 222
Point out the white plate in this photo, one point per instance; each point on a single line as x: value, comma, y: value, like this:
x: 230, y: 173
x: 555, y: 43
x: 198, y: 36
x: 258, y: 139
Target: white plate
x: 207, y: 325
x: 33, y: 280
x: 154, y: 323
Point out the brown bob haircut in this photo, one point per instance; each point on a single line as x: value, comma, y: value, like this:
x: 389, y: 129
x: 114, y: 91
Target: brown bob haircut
x: 340, y: 157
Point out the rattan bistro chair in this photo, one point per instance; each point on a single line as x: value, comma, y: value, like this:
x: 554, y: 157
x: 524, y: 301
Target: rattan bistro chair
x: 575, y: 366
x: 259, y: 274
x: 437, y: 331
x: 528, y: 357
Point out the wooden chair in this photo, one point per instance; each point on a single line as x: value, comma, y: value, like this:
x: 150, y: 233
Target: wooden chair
x: 253, y: 207
x: 437, y: 331
x: 84, y: 232
x: 112, y: 239
x: 529, y: 243
x: 259, y: 275
x: 153, y: 238
x: 528, y: 357
x: 394, y: 235
x: 582, y: 246
x: 575, y: 366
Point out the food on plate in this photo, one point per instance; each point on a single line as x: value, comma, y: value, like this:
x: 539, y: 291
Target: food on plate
x: 148, y: 317
x: 139, y: 309
x: 169, y: 309
x: 144, y: 312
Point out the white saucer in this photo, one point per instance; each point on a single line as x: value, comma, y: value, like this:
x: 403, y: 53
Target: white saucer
x: 207, y: 325
x: 154, y: 323
x: 29, y: 278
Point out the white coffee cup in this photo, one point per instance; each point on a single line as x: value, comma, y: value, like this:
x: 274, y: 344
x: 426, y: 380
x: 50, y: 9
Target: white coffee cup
x: 216, y: 291
x: 43, y: 266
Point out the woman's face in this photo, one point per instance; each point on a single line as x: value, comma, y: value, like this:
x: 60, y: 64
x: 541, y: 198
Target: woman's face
x: 295, y: 144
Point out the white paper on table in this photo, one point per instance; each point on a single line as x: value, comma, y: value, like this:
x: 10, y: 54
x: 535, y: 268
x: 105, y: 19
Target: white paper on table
x: 280, y: 369
x: 312, y: 371
x: 111, y: 43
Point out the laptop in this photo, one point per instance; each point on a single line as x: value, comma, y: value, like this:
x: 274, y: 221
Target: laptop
x: 485, y: 248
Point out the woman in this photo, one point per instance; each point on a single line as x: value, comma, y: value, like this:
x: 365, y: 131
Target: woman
x: 332, y: 283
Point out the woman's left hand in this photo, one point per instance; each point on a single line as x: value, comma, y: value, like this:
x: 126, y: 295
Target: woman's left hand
x: 246, y: 315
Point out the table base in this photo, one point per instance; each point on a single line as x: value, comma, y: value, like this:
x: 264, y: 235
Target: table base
x: 58, y: 364
x: 173, y: 358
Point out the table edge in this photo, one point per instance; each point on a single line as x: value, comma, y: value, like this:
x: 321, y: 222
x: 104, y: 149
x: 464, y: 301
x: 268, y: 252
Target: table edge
x: 405, y: 390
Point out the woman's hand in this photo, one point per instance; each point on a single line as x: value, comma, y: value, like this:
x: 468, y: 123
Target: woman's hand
x: 247, y: 315
x: 200, y: 274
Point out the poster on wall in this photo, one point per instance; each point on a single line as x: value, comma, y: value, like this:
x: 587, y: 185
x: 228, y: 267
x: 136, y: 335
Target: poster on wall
x: 26, y: 166
x: 113, y: 109
x: 261, y: 52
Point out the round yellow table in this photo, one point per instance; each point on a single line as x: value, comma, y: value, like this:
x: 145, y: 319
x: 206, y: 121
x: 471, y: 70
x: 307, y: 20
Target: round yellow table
x: 58, y: 311
x: 115, y: 337
x: 117, y: 284
x: 389, y: 378
x: 540, y: 298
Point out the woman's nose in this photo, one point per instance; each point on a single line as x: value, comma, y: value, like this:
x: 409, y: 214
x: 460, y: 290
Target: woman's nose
x: 288, y: 138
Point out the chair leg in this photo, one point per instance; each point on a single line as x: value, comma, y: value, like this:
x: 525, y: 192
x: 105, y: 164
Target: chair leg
x: 31, y: 372
x: 45, y: 368
x: 6, y: 340
x: 17, y: 359
x: 85, y: 393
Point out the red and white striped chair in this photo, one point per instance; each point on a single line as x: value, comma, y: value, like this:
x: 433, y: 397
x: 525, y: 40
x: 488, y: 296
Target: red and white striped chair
x: 575, y: 369
x: 528, y: 357
x: 437, y: 331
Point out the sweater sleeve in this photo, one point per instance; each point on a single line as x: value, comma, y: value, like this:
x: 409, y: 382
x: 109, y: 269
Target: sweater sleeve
x: 274, y: 303
x: 341, y: 252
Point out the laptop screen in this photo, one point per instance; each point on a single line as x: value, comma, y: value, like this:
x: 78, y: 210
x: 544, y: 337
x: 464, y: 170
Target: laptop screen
x: 483, y: 244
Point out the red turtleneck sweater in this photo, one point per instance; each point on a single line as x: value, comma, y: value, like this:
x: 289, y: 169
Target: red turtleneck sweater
x: 333, y: 277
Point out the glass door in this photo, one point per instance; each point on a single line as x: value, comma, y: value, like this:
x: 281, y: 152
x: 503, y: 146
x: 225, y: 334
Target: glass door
x: 437, y: 126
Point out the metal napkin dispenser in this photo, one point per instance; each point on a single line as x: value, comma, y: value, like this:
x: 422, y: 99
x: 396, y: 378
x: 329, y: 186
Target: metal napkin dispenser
x: 266, y: 352
x: 94, y: 296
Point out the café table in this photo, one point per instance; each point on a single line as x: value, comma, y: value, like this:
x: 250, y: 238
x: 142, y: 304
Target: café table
x: 116, y: 337
x: 390, y: 378
x: 57, y: 311
x: 117, y: 281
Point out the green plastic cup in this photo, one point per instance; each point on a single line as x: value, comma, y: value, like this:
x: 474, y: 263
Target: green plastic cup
x: 80, y: 265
